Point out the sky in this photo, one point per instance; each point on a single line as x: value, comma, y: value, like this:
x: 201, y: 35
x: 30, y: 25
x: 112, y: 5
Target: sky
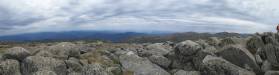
x: 242, y: 16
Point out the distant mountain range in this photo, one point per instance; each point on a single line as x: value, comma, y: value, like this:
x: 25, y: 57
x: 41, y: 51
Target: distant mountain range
x: 133, y: 37
x: 71, y: 35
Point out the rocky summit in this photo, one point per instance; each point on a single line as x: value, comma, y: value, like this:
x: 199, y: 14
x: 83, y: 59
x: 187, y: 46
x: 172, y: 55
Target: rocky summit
x: 254, y: 55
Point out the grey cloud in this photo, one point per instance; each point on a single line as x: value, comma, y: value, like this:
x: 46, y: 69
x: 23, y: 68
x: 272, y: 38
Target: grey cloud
x: 99, y: 14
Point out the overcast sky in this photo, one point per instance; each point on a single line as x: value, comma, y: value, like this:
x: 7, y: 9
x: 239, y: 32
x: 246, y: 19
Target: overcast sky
x: 246, y: 16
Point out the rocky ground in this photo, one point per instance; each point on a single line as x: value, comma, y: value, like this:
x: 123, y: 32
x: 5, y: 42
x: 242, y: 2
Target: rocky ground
x: 255, y: 55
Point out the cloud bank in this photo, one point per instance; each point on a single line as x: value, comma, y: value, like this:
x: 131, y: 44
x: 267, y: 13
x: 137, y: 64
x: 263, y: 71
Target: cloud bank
x: 244, y: 16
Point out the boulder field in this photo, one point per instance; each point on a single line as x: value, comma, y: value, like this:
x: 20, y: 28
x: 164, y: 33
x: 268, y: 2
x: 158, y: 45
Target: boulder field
x: 254, y: 55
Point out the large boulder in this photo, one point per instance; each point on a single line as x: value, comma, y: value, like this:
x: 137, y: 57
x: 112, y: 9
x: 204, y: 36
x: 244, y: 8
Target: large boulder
x: 140, y: 66
x: 218, y: 66
x: 160, y: 60
x: 182, y: 72
x: 17, y: 53
x: 187, y: 48
x: 185, y: 51
x: 240, y: 57
x: 64, y: 50
x: 33, y: 64
x: 9, y: 67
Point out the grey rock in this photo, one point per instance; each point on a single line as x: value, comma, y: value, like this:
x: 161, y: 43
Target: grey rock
x: 258, y: 58
x: 187, y: 48
x: 44, y: 72
x: 240, y: 57
x: 176, y: 64
x: 182, y: 72
x: 254, y: 43
x: 266, y: 66
x: 158, y: 49
x: 93, y: 69
x: 17, y: 53
x: 272, y: 54
x: 218, y: 66
x: 226, y: 42
x: 74, y: 73
x: 64, y: 50
x: 115, y: 70
x: 160, y: 60
x: 33, y: 64
x: 73, y: 65
x: 9, y: 67
x: 213, y: 41
x: 269, y: 38
x: 272, y: 73
x: 44, y: 53
x: 140, y: 66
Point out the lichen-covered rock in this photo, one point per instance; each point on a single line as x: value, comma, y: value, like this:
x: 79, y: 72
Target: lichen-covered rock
x: 9, y: 67
x: 140, y: 66
x: 240, y: 57
x: 45, y: 72
x: 160, y: 60
x: 17, y: 53
x: 182, y: 72
x: 254, y: 43
x: 218, y: 66
x: 93, y: 69
x: 32, y: 64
